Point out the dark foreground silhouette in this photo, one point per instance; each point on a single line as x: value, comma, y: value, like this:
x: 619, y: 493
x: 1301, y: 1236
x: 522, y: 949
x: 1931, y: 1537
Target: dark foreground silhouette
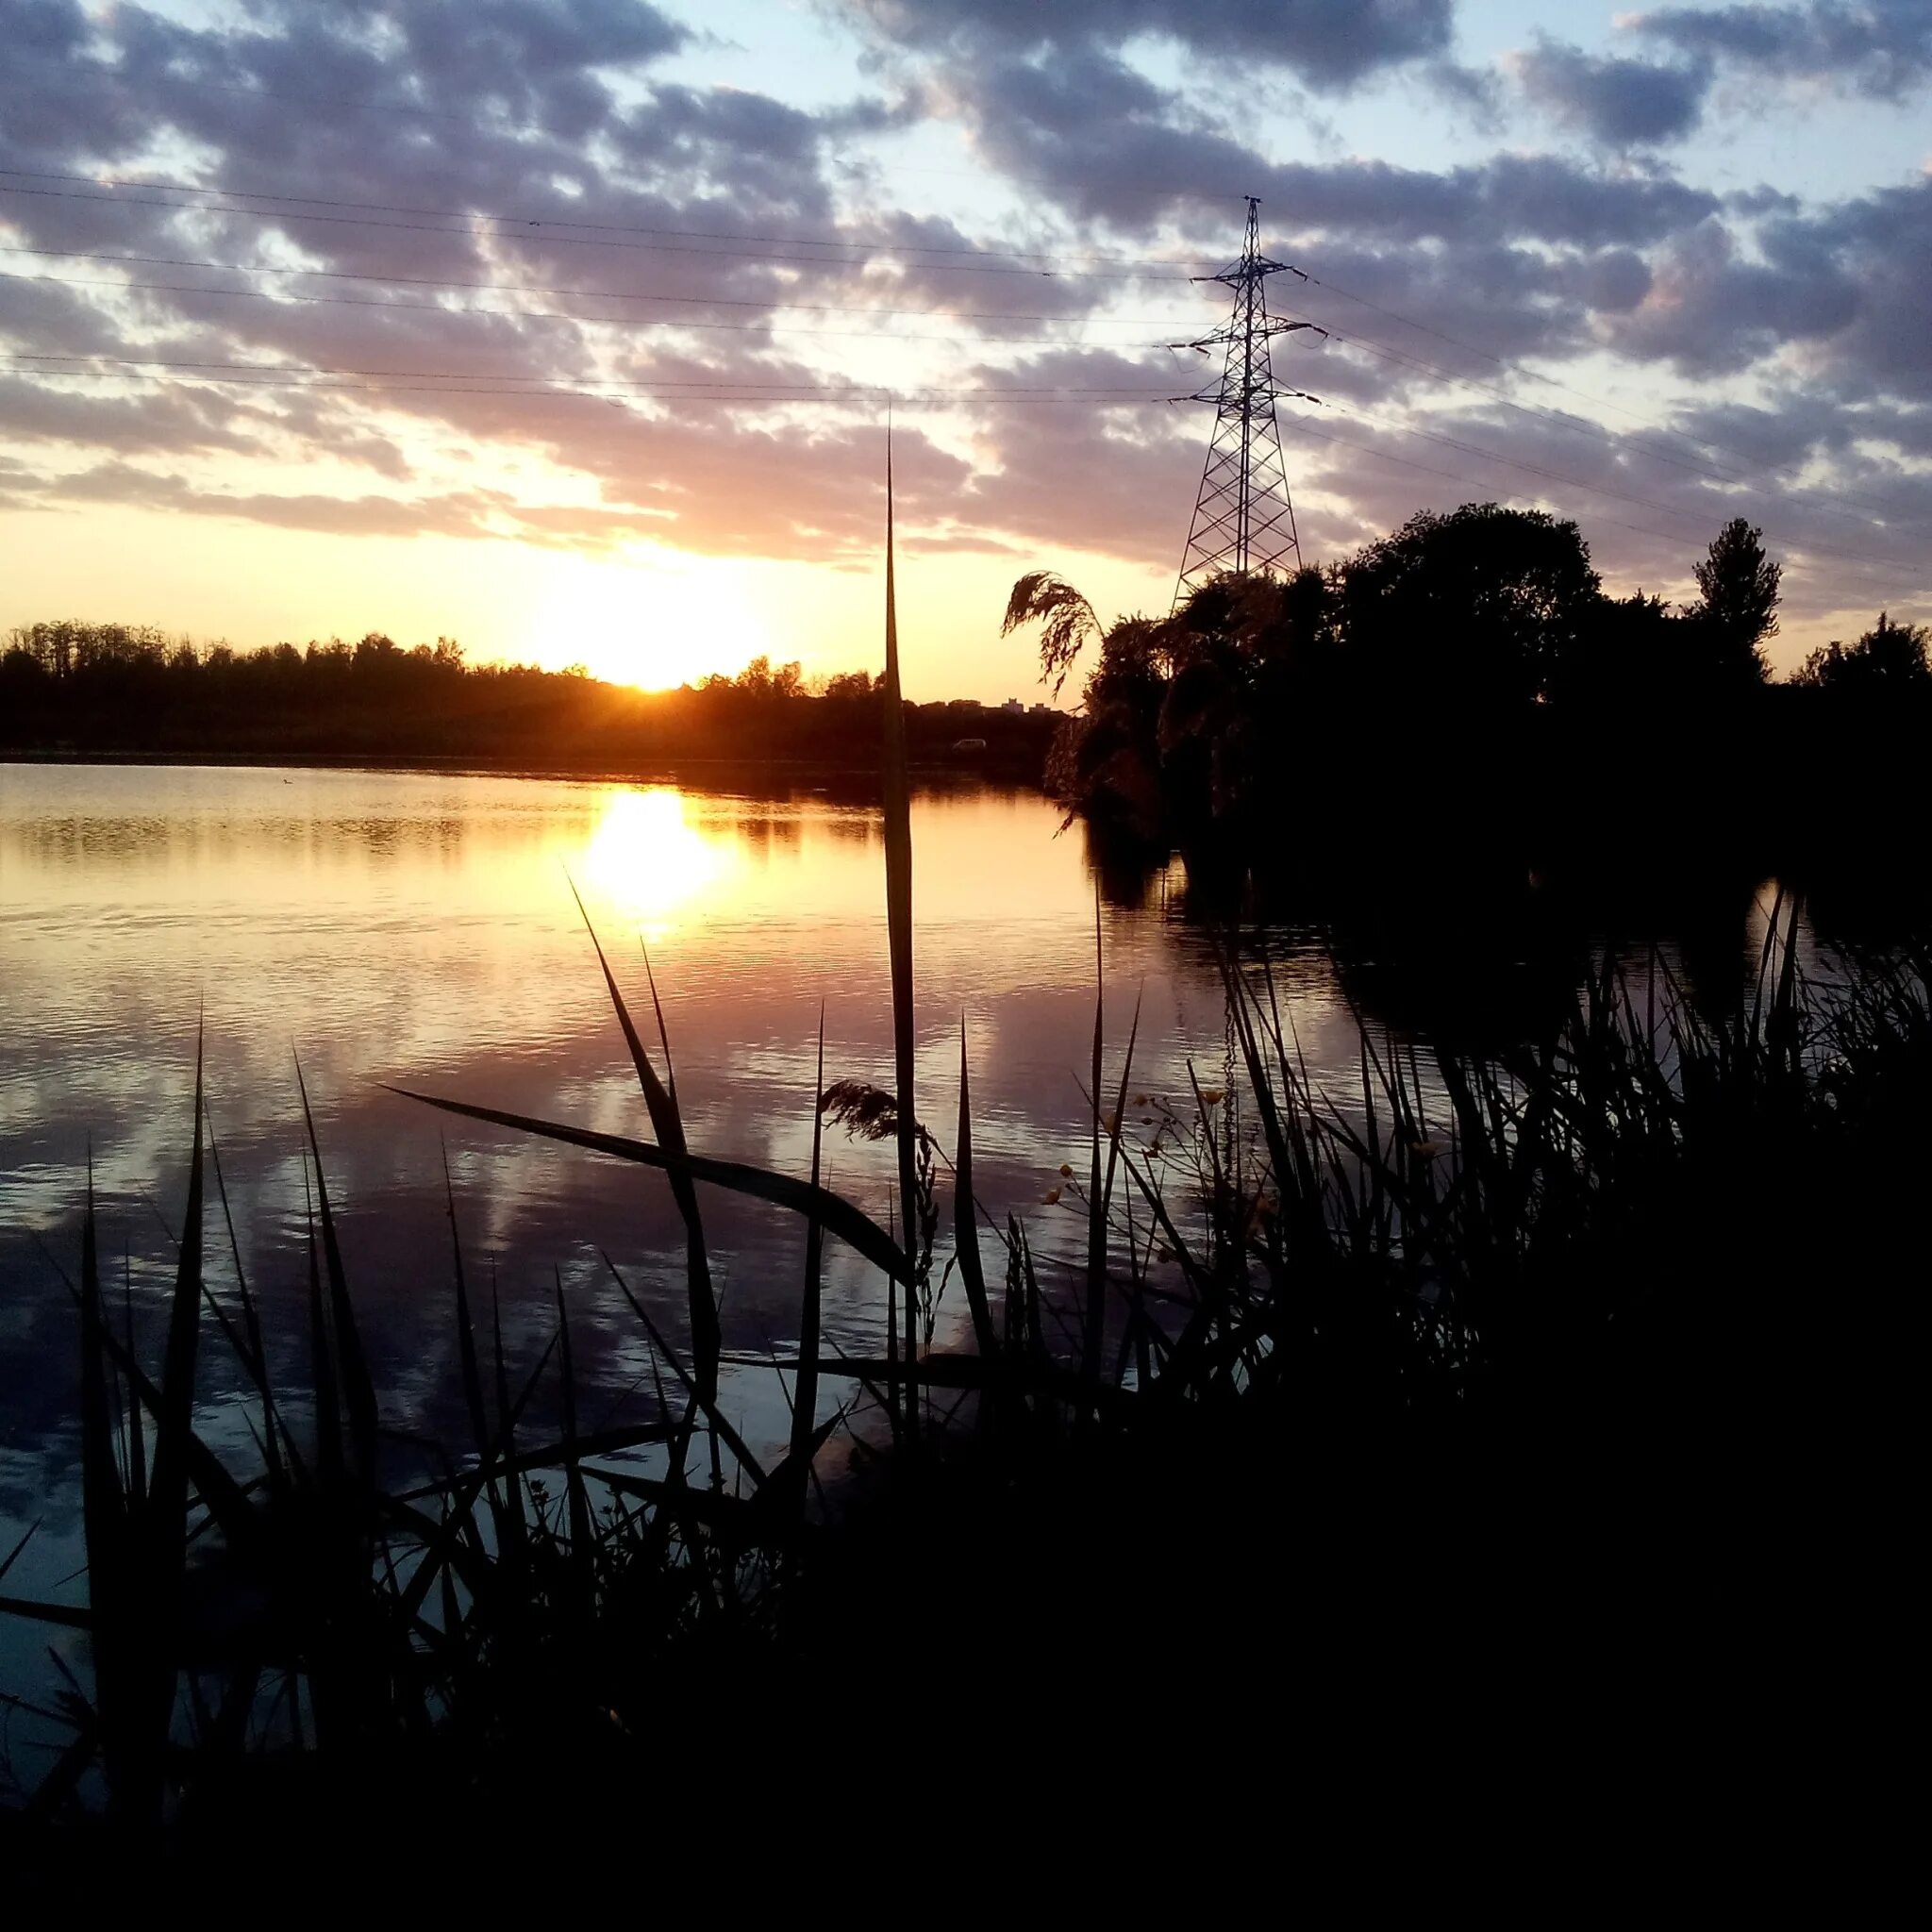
x: 1550, y: 1406
x: 1460, y: 705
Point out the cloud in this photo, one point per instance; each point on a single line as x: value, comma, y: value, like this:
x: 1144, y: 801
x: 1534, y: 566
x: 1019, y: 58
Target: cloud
x: 1880, y: 48
x: 1109, y: 145
x: 175, y: 422
x: 1711, y: 310
x: 1324, y: 44
x: 1846, y: 287
x: 1616, y: 101
x: 1437, y: 280
x: 460, y: 513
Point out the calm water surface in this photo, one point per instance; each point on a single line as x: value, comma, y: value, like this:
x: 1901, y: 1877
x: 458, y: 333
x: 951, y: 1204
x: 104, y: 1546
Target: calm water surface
x: 420, y: 930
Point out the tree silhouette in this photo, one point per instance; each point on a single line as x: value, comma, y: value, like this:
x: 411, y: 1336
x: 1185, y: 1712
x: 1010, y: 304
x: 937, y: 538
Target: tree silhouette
x: 1483, y: 604
x: 1736, y: 607
x: 1889, y: 658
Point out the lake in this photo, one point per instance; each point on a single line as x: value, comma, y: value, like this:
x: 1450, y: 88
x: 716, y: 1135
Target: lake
x: 404, y: 928
x: 420, y: 930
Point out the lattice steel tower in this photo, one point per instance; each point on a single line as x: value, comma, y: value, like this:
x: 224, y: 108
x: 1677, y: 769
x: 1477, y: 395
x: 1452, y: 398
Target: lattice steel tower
x: 1243, y: 518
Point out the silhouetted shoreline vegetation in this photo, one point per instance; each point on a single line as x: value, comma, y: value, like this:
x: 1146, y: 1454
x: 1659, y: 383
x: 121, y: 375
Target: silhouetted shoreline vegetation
x: 131, y: 691
x: 1523, y: 1361
x: 1459, y: 703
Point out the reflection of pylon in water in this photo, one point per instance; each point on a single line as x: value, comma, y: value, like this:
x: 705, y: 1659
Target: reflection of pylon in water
x: 1244, y: 519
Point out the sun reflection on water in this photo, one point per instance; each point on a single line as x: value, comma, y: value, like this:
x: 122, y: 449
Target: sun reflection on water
x: 651, y: 862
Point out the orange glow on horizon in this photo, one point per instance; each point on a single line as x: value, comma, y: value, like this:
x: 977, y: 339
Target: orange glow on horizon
x: 655, y: 626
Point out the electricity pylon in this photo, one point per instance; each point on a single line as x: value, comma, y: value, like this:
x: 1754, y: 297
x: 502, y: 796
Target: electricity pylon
x: 1243, y: 517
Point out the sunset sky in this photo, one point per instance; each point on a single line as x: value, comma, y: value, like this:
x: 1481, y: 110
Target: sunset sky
x: 597, y: 305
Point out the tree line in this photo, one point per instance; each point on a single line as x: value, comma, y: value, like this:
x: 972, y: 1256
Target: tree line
x: 1462, y: 691
x: 130, y: 689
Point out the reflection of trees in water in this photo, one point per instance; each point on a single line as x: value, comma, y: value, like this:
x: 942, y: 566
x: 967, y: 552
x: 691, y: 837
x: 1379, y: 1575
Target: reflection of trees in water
x: 1127, y: 869
x: 1873, y: 902
x: 1475, y: 957
x: 763, y: 834
x: 1502, y: 965
x: 850, y: 827
x: 156, y: 839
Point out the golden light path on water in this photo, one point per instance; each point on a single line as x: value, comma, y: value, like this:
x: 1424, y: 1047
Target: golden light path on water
x: 651, y: 862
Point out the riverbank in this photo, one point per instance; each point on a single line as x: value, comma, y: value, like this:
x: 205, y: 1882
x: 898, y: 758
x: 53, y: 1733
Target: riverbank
x: 852, y: 777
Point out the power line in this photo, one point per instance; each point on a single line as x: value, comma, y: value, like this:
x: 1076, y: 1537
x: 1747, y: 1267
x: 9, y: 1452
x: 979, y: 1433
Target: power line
x: 1601, y: 489
x: 1114, y: 261
x: 342, y: 274
x: 1458, y: 477
x: 1619, y: 440
x: 1610, y: 438
x: 730, y: 390
x: 873, y: 250
x: 1573, y: 424
x: 1386, y: 456
x: 284, y: 375
x: 623, y: 322
x: 1535, y: 376
x: 506, y: 231
x: 258, y: 94
x: 1451, y: 442
x: 738, y: 386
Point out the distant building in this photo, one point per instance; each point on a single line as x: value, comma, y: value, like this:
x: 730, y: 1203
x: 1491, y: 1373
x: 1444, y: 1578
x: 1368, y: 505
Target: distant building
x: 1014, y: 708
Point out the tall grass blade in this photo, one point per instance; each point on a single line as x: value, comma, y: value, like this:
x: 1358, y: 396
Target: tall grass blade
x: 965, y: 1216
x: 466, y: 1331
x: 712, y: 1413
x: 328, y: 1401
x: 898, y: 828
x: 510, y: 1523
x: 804, y: 1399
x: 137, y: 1432
x: 579, y: 1501
x: 167, y: 1503
x: 667, y: 1122
x: 26, y: 1536
x: 139, y: 1615
x: 1114, y: 1127
x: 1093, y: 1329
x: 357, y: 1387
x: 104, y: 1505
x: 255, y: 1360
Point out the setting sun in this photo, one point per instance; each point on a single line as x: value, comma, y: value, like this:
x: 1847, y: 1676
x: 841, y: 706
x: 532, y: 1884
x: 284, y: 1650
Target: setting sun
x: 659, y: 624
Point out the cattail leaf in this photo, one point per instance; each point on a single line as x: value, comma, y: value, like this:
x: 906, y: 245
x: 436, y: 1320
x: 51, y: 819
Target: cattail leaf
x: 356, y: 1387
x: 839, y: 1217
x: 965, y: 1218
x: 667, y: 1122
